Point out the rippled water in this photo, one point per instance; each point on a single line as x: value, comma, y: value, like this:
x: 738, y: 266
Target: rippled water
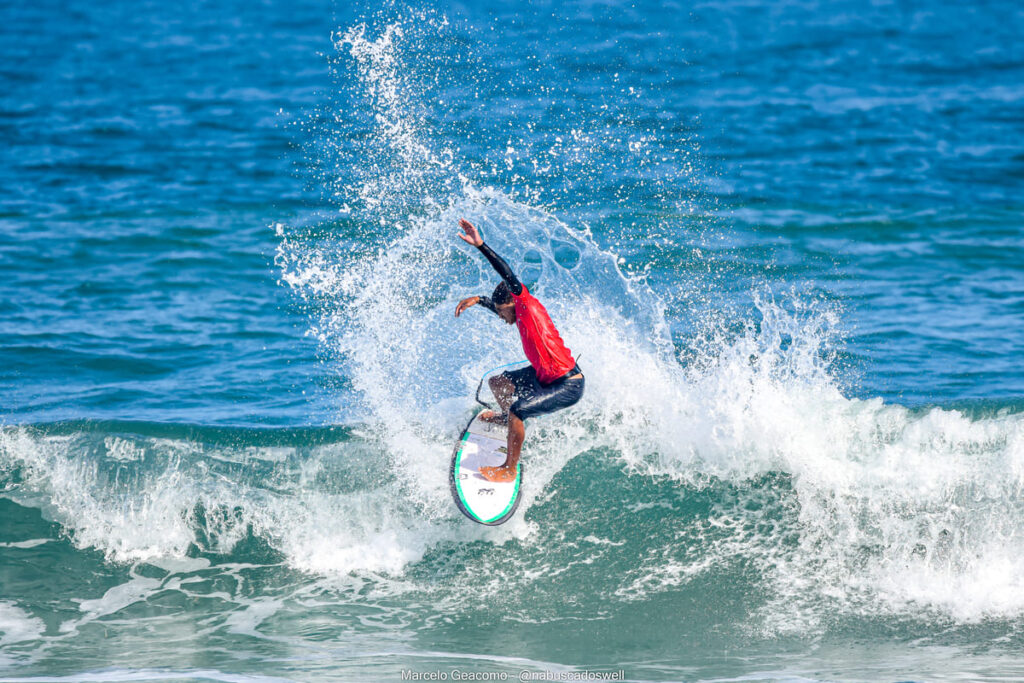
x: 786, y: 239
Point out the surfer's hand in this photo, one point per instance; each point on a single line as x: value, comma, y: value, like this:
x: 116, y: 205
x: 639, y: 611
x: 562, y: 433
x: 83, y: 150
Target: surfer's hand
x: 466, y: 303
x: 472, y: 235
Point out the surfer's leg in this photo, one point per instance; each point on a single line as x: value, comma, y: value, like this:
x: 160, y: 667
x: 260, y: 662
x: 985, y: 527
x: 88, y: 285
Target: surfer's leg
x: 504, y: 390
x: 540, y: 400
x: 506, y: 472
x: 516, y: 436
x: 522, y: 386
x: 507, y: 387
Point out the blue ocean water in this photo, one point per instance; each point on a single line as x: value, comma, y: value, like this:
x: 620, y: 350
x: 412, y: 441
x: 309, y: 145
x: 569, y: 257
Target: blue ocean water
x: 785, y: 237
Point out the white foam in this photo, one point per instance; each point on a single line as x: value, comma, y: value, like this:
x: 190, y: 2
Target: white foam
x: 115, y: 599
x: 894, y: 509
x: 886, y: 497
x: 246, y: 621
x: 31, y: 543
x: 17, y: 625
x: 134, y: 520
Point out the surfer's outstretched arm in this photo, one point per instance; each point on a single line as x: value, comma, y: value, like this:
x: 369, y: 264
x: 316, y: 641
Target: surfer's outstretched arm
x: 473, y: 237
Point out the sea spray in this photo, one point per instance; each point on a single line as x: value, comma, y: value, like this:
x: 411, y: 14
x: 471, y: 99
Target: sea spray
x: 732, y: 403
x: 191, y: 488
x: 727, y: 463
x: 386, y: 315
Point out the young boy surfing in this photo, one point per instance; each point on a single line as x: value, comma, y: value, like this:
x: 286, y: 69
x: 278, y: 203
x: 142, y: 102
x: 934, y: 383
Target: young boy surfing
x: 552, y: 381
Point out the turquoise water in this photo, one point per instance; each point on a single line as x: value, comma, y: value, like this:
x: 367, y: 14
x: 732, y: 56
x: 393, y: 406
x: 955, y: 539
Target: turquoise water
x: 785, y: 239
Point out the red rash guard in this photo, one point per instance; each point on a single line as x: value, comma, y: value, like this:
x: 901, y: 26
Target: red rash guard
x: 542, y: 344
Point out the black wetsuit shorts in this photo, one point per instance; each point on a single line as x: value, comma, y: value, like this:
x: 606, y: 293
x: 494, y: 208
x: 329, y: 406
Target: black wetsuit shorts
x: 534, y: 398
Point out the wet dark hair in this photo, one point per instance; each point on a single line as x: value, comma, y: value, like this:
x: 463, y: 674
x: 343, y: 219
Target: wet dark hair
x: 501, y: 295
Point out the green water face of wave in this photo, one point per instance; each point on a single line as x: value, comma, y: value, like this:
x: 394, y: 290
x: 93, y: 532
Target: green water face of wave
x: 281, y: 551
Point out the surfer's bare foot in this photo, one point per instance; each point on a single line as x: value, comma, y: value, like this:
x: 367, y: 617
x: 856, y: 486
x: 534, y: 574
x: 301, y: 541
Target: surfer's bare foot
x: 491, y: 416
x: 499, y: 475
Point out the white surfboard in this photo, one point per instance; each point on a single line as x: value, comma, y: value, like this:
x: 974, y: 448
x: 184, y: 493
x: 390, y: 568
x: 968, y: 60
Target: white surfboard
x: 483, y: 443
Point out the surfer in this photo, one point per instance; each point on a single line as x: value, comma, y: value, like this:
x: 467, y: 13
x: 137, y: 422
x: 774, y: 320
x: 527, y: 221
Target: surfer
x: 552, y: 381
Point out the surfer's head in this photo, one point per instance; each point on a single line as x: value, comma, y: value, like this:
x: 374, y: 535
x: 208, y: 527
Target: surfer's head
x: 503, y: 304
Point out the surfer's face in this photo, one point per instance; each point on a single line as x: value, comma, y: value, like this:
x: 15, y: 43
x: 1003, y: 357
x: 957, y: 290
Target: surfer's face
x: 507, y: 312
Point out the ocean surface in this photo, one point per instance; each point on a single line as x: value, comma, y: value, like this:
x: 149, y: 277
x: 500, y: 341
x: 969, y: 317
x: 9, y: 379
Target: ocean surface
x: 785, y: 238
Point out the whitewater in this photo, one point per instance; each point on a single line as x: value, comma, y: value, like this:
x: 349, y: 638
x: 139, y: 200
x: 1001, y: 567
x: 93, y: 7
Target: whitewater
x: 728, y: 500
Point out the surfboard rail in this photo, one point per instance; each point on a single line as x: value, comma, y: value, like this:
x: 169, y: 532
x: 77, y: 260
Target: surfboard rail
x: 464, y: 498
